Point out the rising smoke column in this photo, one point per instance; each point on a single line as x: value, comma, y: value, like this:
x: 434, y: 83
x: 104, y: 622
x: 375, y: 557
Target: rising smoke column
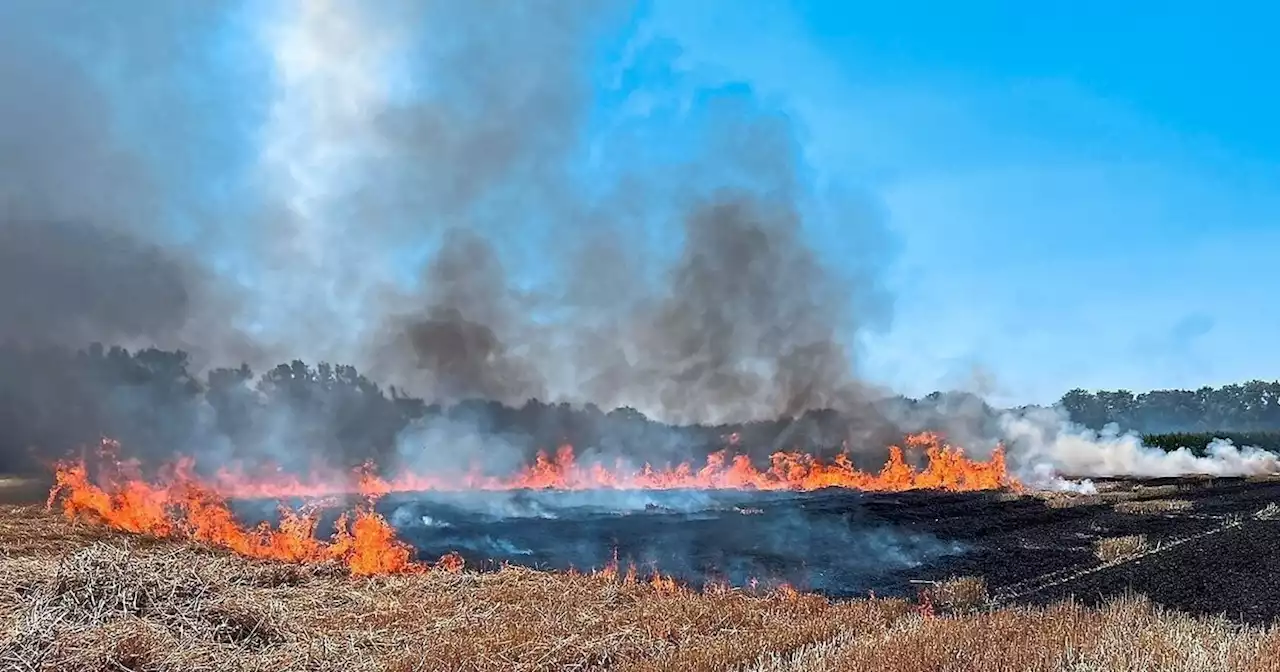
x: 473, y: 161
x: 77, y: 211
x: 320, y: 252
x: 465, y: 199
x: 468, y: 199
x: 413, y: 136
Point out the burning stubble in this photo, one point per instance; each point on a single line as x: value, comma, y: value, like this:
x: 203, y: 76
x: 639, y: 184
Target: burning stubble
x: 726, y: 521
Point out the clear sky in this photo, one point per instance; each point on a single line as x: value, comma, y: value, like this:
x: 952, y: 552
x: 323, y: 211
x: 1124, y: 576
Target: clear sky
x: 1081, y: 194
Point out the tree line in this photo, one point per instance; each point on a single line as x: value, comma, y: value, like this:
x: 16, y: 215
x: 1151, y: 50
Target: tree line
x: 1248, y: 407
x: 1198, y: 442
x: 55, y: 399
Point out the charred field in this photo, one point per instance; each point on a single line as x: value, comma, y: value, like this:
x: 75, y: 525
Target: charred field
x: 1203, y: 544
x: 1033, y: 581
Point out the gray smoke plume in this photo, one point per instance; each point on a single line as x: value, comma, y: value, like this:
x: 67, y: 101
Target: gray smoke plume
x: 457, y: 337
x: 73, y: 207
x: 71, y: 282
x: 745, y: 320
x: 91, y: 240
x: 749, y: 326
x: 465, y: 199
x: 462, y: 198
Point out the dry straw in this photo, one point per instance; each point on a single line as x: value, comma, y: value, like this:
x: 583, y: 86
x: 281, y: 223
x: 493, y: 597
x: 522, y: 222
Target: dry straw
x: 77, y: 598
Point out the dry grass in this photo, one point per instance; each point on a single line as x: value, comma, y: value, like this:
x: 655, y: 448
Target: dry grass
x: 1153, y: 506
x: 1128, y: 634
x: 1159, y: 490
x: 78, y: 598
x: 1063, y: 500
x: 1113, y: 549
x: 960, y: 595
x: 1269, y: 512
x: 1121, y: 495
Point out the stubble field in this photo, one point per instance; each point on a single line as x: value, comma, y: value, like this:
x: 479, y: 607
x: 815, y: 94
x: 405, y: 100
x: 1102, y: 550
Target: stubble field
x: 1048, y: 582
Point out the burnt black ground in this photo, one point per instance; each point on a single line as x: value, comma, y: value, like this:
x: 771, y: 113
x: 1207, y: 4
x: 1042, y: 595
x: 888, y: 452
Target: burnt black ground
x: 1032, y: 552
x: 1216, y: 558
x: 807, y: 540
x: 847, y: 543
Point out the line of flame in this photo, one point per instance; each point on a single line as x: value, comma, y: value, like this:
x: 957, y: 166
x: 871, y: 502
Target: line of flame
x: 947, y: 468
x: 177, y: 503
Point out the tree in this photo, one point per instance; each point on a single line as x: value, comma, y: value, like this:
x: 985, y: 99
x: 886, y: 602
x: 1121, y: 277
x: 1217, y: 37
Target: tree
x: 1085, y: 408
x: 54, y: 399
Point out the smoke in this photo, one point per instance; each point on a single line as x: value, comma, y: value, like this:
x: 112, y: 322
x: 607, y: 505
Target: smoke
x: 98, y: 239
x: 1045, y: 446
x: 696, y: 536
x: 463, y: 199
x: 487, y: 200
x: 71, y: 282
x: 74, y: 262
x: 454, y: 339
x: 472, y: 444
x: 749, y: 328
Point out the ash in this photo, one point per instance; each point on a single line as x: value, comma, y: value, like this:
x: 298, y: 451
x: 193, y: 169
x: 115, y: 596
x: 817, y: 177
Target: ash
x: 818, y: 541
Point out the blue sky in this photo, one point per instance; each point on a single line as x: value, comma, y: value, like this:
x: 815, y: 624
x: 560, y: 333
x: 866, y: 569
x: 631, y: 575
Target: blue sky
x: 1082, y: 196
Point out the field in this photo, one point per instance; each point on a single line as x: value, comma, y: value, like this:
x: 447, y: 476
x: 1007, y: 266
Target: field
x: 76, y: 596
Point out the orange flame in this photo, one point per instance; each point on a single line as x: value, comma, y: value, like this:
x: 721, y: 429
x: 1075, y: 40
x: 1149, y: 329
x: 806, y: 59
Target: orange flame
x: 179, y: 504
x: 948, y: 469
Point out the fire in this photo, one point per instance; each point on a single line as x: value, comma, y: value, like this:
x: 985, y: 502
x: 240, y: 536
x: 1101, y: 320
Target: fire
x: 659, y: 582
x: 947, y: 469
x: 177, y: 503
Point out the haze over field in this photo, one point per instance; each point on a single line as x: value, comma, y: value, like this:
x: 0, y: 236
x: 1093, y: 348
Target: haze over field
x: 582, y: 202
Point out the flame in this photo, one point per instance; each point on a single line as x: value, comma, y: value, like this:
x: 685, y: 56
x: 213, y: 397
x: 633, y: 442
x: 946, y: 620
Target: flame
x: 947, y: 469
x: 177, y: 503
x: 659, y: 582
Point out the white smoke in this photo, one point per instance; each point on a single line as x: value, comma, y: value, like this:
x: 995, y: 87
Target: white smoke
x: 330, y: 83
x: 1045, y: 448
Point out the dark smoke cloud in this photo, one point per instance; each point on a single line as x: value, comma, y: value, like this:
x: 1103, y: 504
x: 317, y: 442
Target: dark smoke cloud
x: 71, y: 283
x: 743, y: 321
x: 72, y: 266
x: 750, y: 323
x: 629, y: 233
x: 458, y: 341
x: 85, y: 220
x: 747, y: 320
